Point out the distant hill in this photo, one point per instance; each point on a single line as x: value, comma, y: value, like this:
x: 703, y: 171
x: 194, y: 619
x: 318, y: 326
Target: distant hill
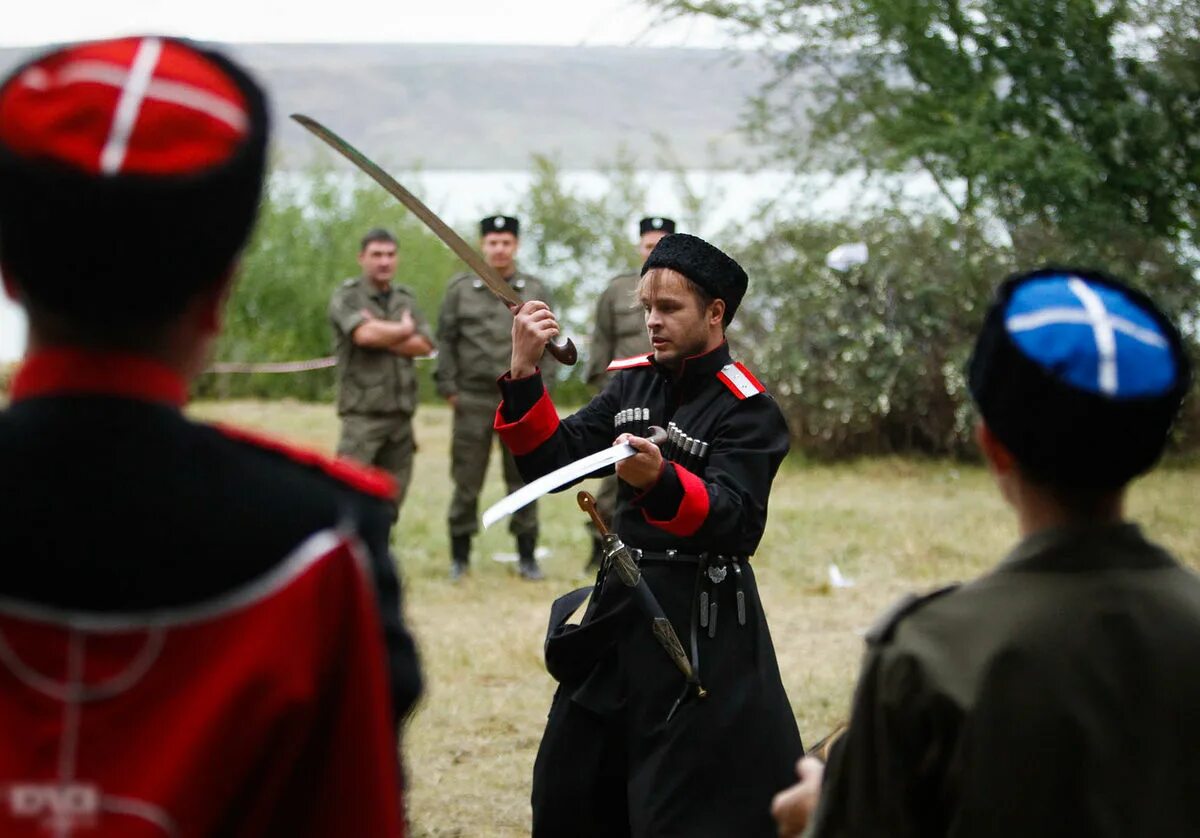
x: 491, y: 107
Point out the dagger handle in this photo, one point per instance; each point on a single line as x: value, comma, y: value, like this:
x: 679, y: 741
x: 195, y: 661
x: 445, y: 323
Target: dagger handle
x: 657, y: 435
x: 588, y: 504
x: 565, y: 352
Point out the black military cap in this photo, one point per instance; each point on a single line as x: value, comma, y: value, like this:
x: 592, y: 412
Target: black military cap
x: 704, y: 265
x: 1079, y: 376
x: 655, y: 224
x: 499, y: 224
x: 154, y: 201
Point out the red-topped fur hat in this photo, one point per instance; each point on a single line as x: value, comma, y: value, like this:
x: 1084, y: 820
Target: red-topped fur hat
x: 130, y: 176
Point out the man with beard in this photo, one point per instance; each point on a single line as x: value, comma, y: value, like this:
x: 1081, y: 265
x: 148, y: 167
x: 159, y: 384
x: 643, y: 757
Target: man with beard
x: 619, y: 332
x: 631, y: 747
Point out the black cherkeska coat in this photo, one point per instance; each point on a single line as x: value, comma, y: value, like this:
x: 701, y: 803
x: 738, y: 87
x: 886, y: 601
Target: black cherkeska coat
x: 610, y: 761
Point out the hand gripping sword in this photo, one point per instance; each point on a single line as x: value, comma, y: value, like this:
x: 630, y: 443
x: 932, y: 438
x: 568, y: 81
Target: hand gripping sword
x: 565, y: 475
x: 618, y: 560
x: 564, y: 352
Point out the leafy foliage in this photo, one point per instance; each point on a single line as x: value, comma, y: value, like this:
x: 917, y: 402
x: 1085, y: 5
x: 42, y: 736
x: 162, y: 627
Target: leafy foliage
x: 1061, y: 131
x: 1082, y: 115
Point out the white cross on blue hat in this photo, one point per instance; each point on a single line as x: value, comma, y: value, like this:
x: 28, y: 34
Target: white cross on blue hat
x: 1091, y: 336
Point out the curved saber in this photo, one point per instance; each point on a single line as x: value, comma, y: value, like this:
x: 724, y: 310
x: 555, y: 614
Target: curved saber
x: 563, y: 476
x: 564, y: 352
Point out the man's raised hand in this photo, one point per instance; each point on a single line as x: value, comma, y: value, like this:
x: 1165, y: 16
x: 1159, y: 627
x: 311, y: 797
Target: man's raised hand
x: 533, y: 327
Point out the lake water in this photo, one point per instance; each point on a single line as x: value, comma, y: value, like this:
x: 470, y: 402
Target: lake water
x: 460, y: 197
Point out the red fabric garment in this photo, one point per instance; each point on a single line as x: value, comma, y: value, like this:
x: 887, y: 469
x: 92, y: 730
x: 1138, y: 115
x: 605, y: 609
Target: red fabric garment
x: 693, y: 506
x: 262, y: 712
x: 526, y: 434
x: 138, y: 105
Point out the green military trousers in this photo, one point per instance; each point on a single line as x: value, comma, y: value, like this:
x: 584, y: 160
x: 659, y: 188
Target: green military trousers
x: 470, y: 447
x: 383, y: 440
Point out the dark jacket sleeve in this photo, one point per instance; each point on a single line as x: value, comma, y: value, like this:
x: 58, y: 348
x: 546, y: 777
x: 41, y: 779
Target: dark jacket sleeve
x: 403, y: 665
x: 528, y: 424
x: 728, y: 506
x: 881, y: 776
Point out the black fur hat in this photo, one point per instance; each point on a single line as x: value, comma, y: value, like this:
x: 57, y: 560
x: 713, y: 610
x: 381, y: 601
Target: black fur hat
x: 704, y: 265
x: 130, y: 176
x: 499, y: 224
x: 655, y: 224
x: 1079, y: 376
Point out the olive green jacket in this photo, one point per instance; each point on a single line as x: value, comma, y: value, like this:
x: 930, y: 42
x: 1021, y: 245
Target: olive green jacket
x: 1057, y: 695
x: 372, y: 380
x: 619, y: 329
x: 474, y: 334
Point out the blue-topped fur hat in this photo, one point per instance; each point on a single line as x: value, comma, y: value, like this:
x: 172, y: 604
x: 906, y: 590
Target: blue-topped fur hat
x: 705, y: 265
x: 1079, y: 376
x: 499, y: 224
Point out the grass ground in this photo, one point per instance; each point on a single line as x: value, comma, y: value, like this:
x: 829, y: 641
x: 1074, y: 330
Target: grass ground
x: 891, y: 526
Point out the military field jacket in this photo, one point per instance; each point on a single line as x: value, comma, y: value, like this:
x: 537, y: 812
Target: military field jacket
x: 372, y: 380
x: 475, y: 333
x: 619, y: 328
x: 1058, y: 695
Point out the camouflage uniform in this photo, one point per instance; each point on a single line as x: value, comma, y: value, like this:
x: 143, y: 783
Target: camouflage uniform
x: 475, y: 347
x: 377, y: 389
x: 619, y: 332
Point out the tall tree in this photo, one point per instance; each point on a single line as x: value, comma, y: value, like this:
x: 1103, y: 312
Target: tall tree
x: 1080, y: 117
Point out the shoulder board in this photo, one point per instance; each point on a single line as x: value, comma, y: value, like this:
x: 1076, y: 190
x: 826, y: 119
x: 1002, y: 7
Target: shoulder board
x: 629, y: 363
x: 369, y: 481
x: 350, y: 283
x: 740, y: 381
x: 885, y: 626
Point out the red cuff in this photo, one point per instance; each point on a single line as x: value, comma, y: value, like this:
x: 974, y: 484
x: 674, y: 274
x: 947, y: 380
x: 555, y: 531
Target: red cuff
x: 693, y: 508
x: 529, y: 432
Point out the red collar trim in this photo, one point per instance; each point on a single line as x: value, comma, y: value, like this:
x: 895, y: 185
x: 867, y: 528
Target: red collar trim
x: 60, y: 372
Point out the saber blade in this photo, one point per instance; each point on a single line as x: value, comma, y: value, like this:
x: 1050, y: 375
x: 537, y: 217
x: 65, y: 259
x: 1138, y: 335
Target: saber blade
x: 565, y: 352
x: 547, y: 483
x: 560, y: 477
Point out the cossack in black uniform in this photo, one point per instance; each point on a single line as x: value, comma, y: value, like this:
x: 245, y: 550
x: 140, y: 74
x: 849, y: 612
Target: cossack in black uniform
x: 616, y: 758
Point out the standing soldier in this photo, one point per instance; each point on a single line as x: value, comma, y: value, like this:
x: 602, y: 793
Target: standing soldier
x: 630, y: 747
x: 475, y: 344
x: 1056, y: 694
x: 377, y: 333
x: 619, y: 333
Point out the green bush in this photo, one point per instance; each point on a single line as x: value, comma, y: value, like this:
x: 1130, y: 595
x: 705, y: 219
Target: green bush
x: 871, y: 361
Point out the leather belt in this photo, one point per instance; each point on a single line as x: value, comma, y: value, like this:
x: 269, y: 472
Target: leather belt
x: 676, y: 557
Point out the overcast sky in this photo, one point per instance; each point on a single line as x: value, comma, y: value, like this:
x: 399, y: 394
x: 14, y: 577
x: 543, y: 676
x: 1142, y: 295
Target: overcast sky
x: 570, y: 22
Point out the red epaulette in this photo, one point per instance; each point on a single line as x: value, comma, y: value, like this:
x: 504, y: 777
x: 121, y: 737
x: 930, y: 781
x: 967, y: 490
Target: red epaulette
x: 365, y: 479
x: 740, y: 381
x: 629, y: 363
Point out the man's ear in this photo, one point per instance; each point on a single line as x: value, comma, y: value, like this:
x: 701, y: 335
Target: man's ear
x: 716, y: 312
x: 999, y: 459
